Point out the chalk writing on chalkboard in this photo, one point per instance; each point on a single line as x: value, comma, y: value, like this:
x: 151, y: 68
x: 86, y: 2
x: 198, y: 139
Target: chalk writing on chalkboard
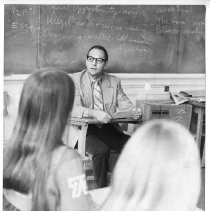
x: 139, y: 38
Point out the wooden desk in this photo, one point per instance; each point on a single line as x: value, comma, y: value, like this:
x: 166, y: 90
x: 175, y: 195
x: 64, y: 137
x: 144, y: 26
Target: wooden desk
x: 82, y: 124
x: 199, y: 109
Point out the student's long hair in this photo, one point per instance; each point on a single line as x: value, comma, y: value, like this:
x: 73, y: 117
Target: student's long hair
x: 158, y: 170
x: 46, y: 101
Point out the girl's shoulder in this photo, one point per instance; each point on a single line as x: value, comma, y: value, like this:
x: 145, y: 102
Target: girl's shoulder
x: 63, y: 155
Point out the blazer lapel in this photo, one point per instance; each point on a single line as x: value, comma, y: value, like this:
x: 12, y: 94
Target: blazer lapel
x: 107, y: 91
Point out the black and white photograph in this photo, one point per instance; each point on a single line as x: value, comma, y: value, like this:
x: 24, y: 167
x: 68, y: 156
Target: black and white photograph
x: 104, y: 105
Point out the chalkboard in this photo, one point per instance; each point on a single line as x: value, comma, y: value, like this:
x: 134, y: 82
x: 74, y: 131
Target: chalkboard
x: 138, y: 38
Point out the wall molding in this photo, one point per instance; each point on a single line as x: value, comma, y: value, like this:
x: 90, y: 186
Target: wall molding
x: 134, y: 76
x: 158, y: 81
x: 132, y: 82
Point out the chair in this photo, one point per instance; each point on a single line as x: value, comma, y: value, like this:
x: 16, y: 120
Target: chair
x: 167, y: 110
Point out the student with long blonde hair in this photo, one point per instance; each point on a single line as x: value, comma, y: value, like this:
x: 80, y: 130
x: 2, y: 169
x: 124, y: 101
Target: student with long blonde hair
x: 40, y: 173
x: 158, y: 170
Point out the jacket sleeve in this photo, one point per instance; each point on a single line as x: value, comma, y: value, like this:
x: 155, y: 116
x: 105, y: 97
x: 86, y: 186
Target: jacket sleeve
x: 123, y: 102
x: 78, y: 108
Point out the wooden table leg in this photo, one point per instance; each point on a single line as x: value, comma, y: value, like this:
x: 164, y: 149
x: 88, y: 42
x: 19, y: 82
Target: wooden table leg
x: 200, y: 112
x: 203, y: 157
x: 82, y: 139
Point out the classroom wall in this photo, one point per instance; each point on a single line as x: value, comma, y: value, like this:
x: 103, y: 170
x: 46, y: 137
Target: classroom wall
x: 136, y: 86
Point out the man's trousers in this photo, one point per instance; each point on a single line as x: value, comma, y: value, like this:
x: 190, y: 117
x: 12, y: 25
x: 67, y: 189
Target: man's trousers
x: 99, y: 142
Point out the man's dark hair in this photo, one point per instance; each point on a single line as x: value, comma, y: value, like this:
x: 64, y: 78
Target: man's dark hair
x: 100, y: 48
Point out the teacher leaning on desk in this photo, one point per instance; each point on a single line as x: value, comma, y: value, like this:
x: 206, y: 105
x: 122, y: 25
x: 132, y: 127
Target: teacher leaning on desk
x: 100, y: 95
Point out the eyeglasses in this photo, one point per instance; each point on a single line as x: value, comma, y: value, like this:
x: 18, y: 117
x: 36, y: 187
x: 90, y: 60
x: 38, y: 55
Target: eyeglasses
x: 98, y: 60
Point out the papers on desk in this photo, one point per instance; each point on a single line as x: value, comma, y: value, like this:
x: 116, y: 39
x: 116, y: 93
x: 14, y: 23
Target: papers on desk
x: 182, y: 97
x: 123, y: 114
x: 200, y: 99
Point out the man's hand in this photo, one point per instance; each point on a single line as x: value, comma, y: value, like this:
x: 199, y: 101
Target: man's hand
x: 100, y: 115
x: 138, y: 112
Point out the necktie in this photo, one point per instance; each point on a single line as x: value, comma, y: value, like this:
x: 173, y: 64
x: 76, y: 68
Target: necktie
x: 97, y: 96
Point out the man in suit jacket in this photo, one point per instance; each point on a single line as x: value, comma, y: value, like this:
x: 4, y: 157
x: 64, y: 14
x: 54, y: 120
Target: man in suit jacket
x: 100, y: 138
